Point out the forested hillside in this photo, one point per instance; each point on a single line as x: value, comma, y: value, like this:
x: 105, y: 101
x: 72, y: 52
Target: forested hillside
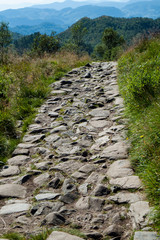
x: 130, y: 28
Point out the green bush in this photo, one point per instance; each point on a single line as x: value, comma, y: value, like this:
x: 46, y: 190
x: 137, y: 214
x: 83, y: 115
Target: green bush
x: 139, y: 82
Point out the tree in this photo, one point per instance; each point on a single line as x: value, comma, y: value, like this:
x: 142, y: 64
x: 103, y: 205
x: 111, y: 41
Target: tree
x: 45, y: 44
x: 78, y: 32
x: 5, y: 40
x: 111, y: 44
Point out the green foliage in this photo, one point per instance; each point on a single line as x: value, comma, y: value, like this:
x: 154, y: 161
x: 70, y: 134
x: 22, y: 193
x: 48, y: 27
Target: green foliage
x: 5, y: 40
x: 45, y: 44
x: 78, y: 32
x: 110, y: 46
x: 24, y: 43
x: 13, y: 236
x: 24, y: 85
x: 77, y: 35
x: 131, y: 29
x: 142, y: 68
x: 139, y: 82
x: 17, y: 236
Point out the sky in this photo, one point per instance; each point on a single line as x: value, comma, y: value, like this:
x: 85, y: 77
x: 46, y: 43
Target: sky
x: 6, y: 4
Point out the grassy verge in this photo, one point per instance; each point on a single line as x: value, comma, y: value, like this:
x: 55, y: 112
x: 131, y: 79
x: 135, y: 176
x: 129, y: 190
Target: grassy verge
x: 43, y: 235
x: 139, y: 81
x: 24, y: 84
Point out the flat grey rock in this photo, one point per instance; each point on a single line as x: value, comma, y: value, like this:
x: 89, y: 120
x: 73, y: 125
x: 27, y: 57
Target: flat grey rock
x: 120, y: 168
x: 95, y: 178
x: 14, y: 208
x: 79, y: 175
x: 99, y: 142
x: 33, y: 138
x: 96, y: 203
x: 83, y: 189
x: 116, y: 151
x: 54, y: 219
x: 58, y: 92
x: 52, y: 138
x: 41, y: 179
x: 139, y: 212
x: 68, y: 167
x: 99, y: 112
x: 87, y: 168
x: 144, y: 235
x: 131, y: 182
x: 12, y: 190
x: 59, y: 129
x: 126, y: 197
x: 10, y: 171
x: 46, y: 196
x: 62, y: 236
x: 53, y: 114
x: 18, y: 160
x: 25, y: 145
x: 20, y: 151
x: 99, y: 123
x: 82, y: 203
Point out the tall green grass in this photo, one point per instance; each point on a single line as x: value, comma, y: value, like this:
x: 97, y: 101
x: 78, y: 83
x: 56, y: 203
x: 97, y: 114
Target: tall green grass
x: 139, y: 81
x: 24, y: 84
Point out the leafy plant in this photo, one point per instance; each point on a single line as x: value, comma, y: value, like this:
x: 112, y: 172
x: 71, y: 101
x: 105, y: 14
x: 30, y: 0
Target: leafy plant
x: 139, y: 82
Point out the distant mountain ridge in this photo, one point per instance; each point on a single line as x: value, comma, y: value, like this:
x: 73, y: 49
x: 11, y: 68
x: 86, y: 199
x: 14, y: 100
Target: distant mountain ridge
x: 58, y: 16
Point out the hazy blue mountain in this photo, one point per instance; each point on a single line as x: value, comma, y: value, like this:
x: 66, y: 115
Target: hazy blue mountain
x: 47, y: 19
x: 25, y: 20
x: 42, y: 28
x: 150, y: 9
x: 75, y: 4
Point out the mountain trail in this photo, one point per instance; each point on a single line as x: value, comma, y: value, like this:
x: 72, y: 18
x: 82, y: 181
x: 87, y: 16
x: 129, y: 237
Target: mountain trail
x: 72, y: 169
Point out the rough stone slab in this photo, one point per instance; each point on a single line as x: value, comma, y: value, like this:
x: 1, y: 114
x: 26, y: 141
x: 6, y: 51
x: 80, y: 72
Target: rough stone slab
x: 25, y: 145
x: 10, y: 171
x: 52, y: 138
x: 120, y: 168
x: 96, y: 203
x: 79, y: 175
x: 83, y: 189
x: 68, y: 167
x: 62, y: 236
x: 87, y: 168
x: 20, y: 151
x: 40, y: 180
x: 94, y: 178
x: 46, y: 196
x: 59, y: 129
x: 14, y: 208
x: 116, y: 151
x: 131, y: 182
x: 139, y: 212
x: 33, y: 138
x: 82, y: 203
x: 54, y: 219
x: 58, y: 92
x: 144, y: 235
x: 12, y: 190
x: 99, y: 123
x: 53, y: 114
x: 18, y: 160
x: 123, y: 197
x: 100, y: 142
x: 99, y: 112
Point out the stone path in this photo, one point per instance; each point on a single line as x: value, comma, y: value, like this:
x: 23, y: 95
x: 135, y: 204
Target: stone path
x: 71, y: 170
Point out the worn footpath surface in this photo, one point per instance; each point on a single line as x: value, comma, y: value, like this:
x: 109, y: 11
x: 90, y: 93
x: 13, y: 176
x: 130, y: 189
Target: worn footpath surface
x: 72, y: 168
